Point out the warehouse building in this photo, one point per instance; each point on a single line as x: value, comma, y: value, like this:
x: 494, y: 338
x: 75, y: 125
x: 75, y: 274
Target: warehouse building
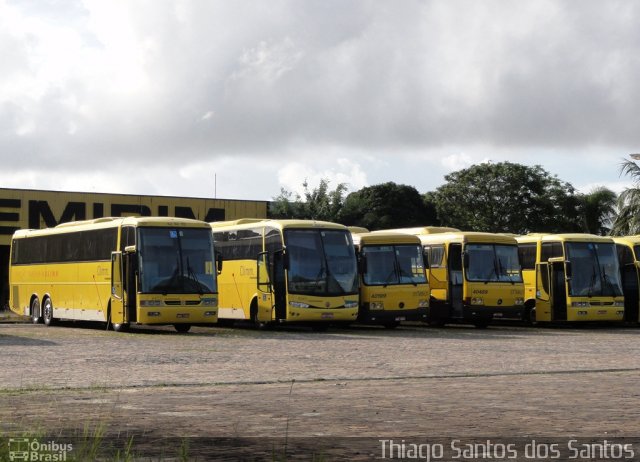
x: 33, y: 209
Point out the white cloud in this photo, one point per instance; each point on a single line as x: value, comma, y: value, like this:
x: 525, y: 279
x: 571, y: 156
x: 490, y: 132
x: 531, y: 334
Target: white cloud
x: 292, y: 176
x: 457, y: 161
x: 403, y: 93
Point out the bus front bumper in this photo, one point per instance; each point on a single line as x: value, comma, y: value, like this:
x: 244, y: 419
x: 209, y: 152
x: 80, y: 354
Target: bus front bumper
x: 367, y: 316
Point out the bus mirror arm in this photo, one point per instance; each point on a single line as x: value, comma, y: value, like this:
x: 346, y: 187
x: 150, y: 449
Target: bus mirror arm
x: 285, y: 259
x: 219, y: 261
x: 362, y: 264
x: 568, y: 270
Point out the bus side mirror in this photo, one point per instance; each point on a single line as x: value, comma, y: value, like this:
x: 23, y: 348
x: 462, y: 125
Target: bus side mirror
x: 465, y: 260
x: 362, y: 264
x: 285, y: 259
x: 568, y: 270
x: 425, y: 259
x: 219, y: 261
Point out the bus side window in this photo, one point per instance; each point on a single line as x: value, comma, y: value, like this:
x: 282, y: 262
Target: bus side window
x: 436, y: 256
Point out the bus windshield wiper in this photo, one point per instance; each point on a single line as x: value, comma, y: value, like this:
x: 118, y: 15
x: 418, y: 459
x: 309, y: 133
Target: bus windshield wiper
x: 592, y: 282
x: 192, y: 276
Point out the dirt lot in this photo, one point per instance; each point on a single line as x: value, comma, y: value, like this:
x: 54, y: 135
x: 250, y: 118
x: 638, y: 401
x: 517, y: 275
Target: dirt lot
x: 246, y: 387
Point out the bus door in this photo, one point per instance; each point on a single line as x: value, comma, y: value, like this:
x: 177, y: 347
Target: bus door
x: 280, y: 284
x: 454, y: 265
x: 130, y: 286
x: 265, y: 289
x: 629, y: 273
x: 543, y: 292
x: 558, y: 290
x: 117, y: 289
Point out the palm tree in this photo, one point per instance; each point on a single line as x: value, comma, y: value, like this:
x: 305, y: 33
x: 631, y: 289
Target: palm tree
x: 598, y: 210
x: 628, y: 220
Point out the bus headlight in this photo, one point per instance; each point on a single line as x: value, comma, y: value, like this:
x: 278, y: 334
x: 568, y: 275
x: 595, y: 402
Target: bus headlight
x: 209, y: 301
x: 423, y: 303
x: 580, y: 305
x: 350, y: 304
x: 519, y: 301
x: 376, y: 306
x: 477, y: 301
x: 144, y: 303
x: 299, y: 305
x: 209, y: 313
x: 618, y: 303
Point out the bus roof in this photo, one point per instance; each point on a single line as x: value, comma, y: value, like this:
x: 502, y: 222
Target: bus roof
x: 110, y: 222
x: 245, y: 223
x: 442, y: 236
x: 563, y: 237
x: 357, y: 229
x: 627, y: 240
x: 425, y: 230
x: 390, y: 238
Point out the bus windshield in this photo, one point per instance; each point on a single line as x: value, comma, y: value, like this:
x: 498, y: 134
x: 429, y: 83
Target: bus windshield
x: 394, y: 264
x: 594, y: 269
x: 321, y: 262
x: 493, y: 263
x: 176, y: 261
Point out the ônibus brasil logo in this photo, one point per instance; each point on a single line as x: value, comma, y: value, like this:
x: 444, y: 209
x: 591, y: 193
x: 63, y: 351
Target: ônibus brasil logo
x: 31, y: 449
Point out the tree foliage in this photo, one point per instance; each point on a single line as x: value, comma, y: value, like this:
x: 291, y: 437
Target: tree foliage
x: 627, y: 221
x: 508, y: 197
x: 319, y: 203
x: 386, y: 205
x: 598, y: 210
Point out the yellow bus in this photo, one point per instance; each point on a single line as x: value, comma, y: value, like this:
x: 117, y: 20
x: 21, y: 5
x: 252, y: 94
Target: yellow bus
x: 393, y: 281
x: 121, y: 271
x: 474, y: 277
x: 570, y: 277
x: 286, y: 271
x: 628, y: 248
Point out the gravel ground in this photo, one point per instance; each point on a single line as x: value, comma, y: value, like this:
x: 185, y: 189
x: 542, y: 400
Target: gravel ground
x: 343, y: 385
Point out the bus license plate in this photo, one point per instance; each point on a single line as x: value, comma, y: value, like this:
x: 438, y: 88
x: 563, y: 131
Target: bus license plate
x: 327, y: 316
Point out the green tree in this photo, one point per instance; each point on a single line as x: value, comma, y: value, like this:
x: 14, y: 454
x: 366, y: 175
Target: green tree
x: 627, y: 221
x: 598, y: 210
x: 507, y: 197
x: 319, y: 203
x: 383, y: 206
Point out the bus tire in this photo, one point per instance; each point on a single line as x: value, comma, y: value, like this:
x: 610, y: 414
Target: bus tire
x: 117, y: 327
x: 391, y: 324
x: 182, y: 328
x: 253, y: 313
x: 47, y: 312
x: 35, y: 311
x: 481, y: 324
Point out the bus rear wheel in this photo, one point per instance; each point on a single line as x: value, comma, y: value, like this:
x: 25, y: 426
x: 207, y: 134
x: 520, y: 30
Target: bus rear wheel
x: 47, y: 312
x: 35, y: 311
x: 182, y: 328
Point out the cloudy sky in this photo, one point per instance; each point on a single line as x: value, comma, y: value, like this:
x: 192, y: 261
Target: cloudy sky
x: 241, y: 98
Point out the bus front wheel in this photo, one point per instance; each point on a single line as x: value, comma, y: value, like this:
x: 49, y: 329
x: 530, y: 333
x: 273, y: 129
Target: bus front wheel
x: 47, y: 312
x: 532, y: 316
x: 182, y: 328
x: 35, y: 311
x: 120, y: 327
